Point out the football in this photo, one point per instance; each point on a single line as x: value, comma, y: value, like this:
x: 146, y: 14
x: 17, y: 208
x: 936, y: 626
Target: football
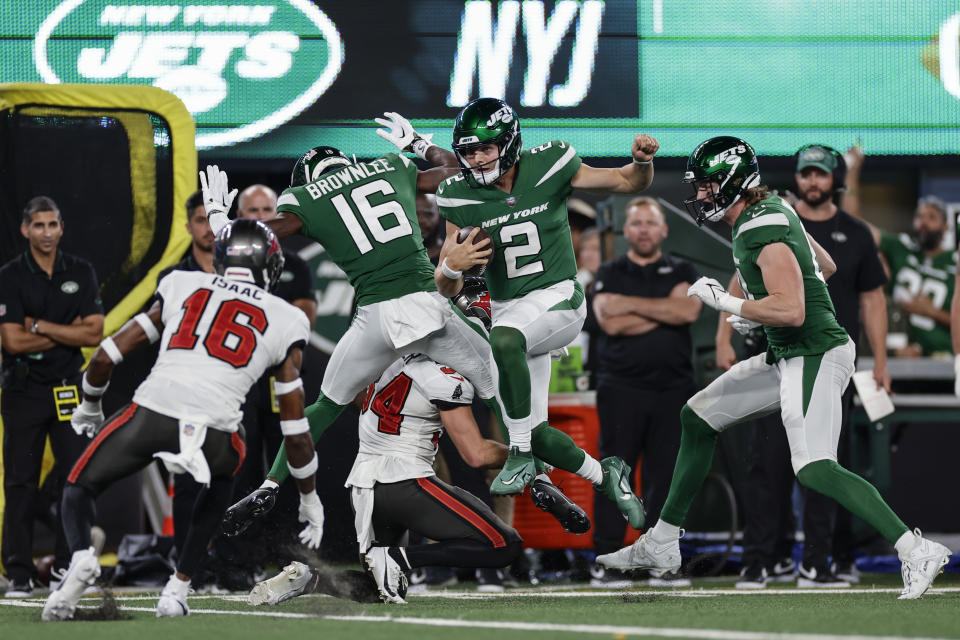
x: 476, y: 270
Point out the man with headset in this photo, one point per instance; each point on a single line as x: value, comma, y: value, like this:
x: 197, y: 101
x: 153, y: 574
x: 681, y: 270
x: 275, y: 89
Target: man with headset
x: 857, y: 285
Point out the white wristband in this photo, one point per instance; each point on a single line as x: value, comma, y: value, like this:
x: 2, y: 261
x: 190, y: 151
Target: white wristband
x: 283, y: 388
x: 306, y: 470
x: 294, y: 427
x: 448, y: 272
x: 421, y: 146
x: 148, y: 327
x: 642, y: 162
x: 90, y: 390
x: 731, y: 304
x: 110, y: 348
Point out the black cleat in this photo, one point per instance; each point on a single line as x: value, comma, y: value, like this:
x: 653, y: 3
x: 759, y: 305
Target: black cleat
x: 548, y: 497
x: 246, y: 511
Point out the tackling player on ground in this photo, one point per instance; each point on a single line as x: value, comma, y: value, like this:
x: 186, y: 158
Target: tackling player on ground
x: 520, y: 198
x: 805, y: 370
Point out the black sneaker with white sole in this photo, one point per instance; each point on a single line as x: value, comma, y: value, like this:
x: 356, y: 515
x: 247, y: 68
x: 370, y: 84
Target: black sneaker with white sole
x: 753, y: 576
x: 819, y: 578
x: 783, y: 570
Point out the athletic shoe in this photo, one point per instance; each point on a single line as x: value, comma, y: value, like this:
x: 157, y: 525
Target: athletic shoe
x: 819, y: 578
x: 668, y: 579
x: 548, y: 497
x: 489, y: 580
x: 783, y: 570
x: 616, y: 486
x: 518, y: 471
x: 56, y: 578
x: 753, y: 576
x: 289, y: 583
x: 20, y: 589
x: 846, y: 570
x: 244, y: 513
x: 83, y: 571
x: 921, y: 565
x: 645, y: 554
x: 390, y: 578
x: 173, y: 599
x: 609, y: 578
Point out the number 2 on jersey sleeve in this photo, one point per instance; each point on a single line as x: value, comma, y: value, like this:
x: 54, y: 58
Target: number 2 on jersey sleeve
x: 225, y: 325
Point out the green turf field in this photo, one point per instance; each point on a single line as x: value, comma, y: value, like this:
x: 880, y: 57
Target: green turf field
x: 710, y: 610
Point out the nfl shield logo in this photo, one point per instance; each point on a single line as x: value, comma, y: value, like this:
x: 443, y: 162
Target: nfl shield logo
x: 188, y: 429
x: 511, y: 200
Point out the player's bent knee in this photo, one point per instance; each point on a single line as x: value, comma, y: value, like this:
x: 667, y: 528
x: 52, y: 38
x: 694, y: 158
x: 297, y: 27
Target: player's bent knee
x: 506, y: 341
x: 690, y: 421
x: 512, y: 550
x: 816, y: 475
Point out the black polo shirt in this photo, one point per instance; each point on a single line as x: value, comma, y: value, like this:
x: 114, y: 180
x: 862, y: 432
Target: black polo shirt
x: 658, y: 359
x: 26, y: 290
x: 850, y: 244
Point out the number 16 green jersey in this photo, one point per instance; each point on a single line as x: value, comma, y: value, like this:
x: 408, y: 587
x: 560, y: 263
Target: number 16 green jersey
x: 532, y: 248
x: 365, y: 216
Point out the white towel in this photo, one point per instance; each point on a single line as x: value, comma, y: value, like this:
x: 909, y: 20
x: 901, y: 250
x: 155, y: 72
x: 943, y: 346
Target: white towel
x: 362, y: 499
x: 190, y: 459
x: 411, y: 317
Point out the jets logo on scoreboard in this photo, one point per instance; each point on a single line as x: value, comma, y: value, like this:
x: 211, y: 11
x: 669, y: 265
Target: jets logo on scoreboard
x: 242, y: 68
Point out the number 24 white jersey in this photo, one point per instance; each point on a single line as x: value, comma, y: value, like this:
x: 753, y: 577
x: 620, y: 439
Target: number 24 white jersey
x: 219, y: 338
x: 400, y: 424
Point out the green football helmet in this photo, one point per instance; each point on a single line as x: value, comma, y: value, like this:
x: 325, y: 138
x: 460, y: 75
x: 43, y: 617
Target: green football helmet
x: 315, y: 163
x: 487, y: 121
x: 726, y: 167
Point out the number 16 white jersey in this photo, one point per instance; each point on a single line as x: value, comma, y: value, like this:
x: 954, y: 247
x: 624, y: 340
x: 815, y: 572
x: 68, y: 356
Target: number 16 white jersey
x: 220, y: 336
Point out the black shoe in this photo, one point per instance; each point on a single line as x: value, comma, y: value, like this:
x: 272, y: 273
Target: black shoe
x: 753, y: 576
x: 252, y: 508
x: 846, y: 571
x: 20, y: 589
x: 548, y: 497
x: 783, y: 570
x: 489, y: 580
x: 609, y: 578
x: 819, y: 578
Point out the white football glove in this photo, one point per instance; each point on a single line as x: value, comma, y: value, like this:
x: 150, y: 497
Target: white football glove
x: 399, y: 132
x: 216, y: 197
x: 742, y: 325
x: 956, y: 372
x: 714, y: 295
x: 87, y: 418
x: 311, y: 512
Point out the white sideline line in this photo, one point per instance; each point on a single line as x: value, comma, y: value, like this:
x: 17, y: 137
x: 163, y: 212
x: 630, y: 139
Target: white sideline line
x: 661, y: 632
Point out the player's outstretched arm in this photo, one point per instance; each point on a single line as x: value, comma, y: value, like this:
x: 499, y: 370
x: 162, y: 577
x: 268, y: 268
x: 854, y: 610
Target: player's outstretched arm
x: 476, y: 451
x: 141, y: 329
x: 398, y: 131
x: 630, y: 178
x: 301, y: 456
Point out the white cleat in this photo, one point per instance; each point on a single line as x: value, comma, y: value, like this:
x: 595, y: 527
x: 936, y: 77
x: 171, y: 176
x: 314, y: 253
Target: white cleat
x: 390, y: 578
x: 921, y: 565
x: 289, y: 583
x: 83, y: 571
x: 173, y: 598
x: 645, y: 554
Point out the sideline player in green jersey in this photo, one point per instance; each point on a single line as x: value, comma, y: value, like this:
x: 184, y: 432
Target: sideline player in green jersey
x: 805, y: 370
x: 520, y: 198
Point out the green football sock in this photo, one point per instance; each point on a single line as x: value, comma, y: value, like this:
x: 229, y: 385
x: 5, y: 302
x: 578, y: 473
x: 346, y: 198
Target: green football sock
x: 556, y: 448
x: 697, y: 442
x: 510, y: 353
x: 320, y: 415
x: 855, y: 494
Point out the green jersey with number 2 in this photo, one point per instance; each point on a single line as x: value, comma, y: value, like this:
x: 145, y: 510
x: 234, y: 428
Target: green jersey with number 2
x: 912, y: 274
x: 532, y: 248
x: 365, y: 217
x: 770, y: 221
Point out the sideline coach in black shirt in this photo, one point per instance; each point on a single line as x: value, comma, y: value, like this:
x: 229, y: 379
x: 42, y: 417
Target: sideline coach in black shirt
x: 644, y: 369
x: 49, y: 307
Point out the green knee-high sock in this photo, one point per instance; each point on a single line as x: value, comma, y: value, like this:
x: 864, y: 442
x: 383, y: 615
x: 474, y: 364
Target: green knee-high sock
x: 556, y: 448
x: 855, y: 494
x: 494, y: 406
x: 320, y: 415
x: 697, y: 442
x: 510, y: 353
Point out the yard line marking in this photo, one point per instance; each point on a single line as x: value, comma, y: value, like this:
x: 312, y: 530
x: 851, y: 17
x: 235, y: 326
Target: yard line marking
x: 662, y: 632
x: 677, y: 593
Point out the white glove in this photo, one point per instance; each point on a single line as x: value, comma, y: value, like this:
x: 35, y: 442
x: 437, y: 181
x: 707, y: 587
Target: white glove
x: 216, y: 197
x: 742, y: 325
x: 87, y: 418
x: 399, y: 132
x: 311, y: 512
x: 956, y: 372
x: 714, y: 295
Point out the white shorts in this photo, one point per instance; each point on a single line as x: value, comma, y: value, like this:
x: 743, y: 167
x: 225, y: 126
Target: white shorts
x: 549, y: 319
x: 422, y: 322
x: 806, y: 391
